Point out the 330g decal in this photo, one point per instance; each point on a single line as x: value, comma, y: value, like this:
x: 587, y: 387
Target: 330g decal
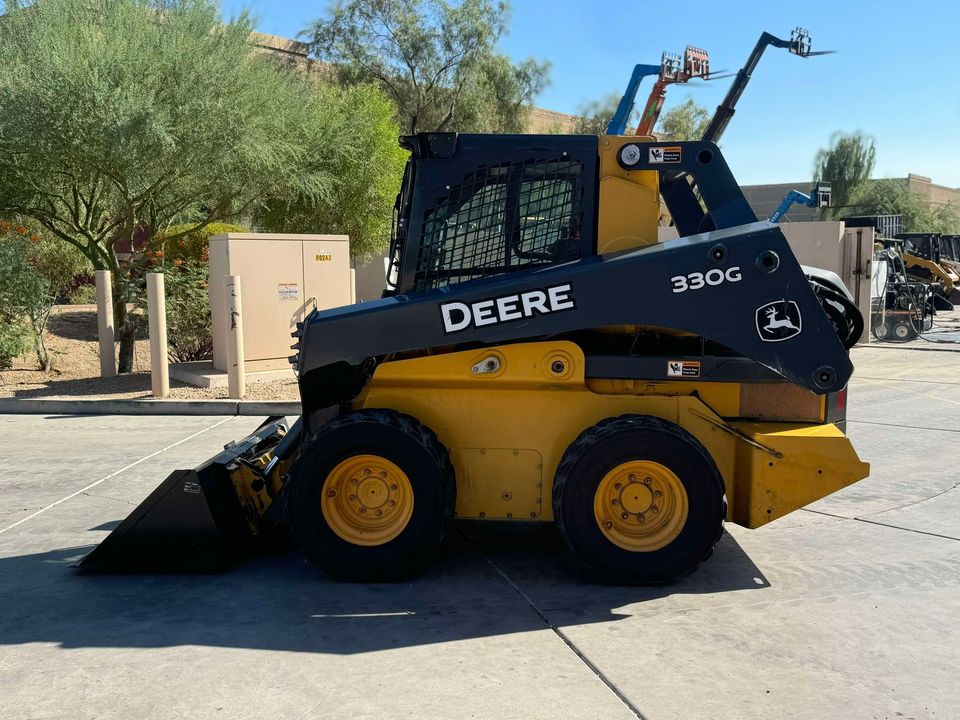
x: 697, y: 280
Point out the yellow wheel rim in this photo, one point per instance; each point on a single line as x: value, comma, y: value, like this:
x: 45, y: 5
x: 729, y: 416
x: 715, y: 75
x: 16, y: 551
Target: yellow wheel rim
x: 640, y: 506
x: 367, y: 500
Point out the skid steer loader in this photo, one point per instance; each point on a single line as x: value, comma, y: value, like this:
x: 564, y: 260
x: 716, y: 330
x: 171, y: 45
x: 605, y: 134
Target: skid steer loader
x: 538, y: 356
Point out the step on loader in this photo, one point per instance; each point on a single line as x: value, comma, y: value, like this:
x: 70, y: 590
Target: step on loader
x: 538, y: 356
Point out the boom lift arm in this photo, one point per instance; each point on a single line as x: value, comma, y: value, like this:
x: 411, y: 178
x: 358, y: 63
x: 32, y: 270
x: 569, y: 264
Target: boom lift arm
x: 618, y: 123
x: 818, y: 197
x: 798, y: 44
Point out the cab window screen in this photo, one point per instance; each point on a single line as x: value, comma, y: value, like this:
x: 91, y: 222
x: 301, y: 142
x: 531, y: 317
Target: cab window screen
x: 503, y: 218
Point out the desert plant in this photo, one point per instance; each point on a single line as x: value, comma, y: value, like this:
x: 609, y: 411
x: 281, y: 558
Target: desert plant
x: 14, y: 342
x: 189, y: 332
x: 122, y: 117
x: 366, y: 160
x: 83, y: 295
x: 25, y: 299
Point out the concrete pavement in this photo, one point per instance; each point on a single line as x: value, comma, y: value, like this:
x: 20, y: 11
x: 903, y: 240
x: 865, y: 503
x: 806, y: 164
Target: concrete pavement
x: 849, y: 609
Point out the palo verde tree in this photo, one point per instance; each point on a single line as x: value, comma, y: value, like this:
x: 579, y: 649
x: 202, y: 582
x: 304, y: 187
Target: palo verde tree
x: 123, y: 117
x: 845, y: 164
x: 686, y: 121
x: 435, y: 59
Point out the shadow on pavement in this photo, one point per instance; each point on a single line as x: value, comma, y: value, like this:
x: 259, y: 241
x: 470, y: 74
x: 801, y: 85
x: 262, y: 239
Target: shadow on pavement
x: 278, y: 602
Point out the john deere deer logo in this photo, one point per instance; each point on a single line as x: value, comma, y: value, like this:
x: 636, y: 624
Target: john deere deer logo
x: 778, y: 321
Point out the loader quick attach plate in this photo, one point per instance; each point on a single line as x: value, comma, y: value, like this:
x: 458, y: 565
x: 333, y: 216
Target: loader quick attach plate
x: 192, y: 522
x: 740, y: 287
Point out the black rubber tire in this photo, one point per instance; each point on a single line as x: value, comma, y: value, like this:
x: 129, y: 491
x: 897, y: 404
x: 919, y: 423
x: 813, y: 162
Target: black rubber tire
x: 410, y: 445
x: 601, y: 448
x: 881, y: 331
x: 902, y: 331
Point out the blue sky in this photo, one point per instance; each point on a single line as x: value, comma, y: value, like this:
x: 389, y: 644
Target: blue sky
x: 894, y: 75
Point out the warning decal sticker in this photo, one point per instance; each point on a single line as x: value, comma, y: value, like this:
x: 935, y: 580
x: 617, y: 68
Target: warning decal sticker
x: 662, y: 154
x: 683, y: 368
x: 288, y: 291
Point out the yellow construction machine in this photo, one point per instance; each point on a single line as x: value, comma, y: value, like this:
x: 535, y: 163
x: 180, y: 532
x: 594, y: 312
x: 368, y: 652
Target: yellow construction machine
x: 539, y: 357
x: 925, y: 262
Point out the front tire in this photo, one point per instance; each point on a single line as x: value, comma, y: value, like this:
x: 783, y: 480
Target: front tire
x: 371, y: 495
x: 638, y: 500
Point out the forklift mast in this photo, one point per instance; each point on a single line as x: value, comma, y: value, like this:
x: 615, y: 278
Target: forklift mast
x: 798, y: 44
x: 696, y: 64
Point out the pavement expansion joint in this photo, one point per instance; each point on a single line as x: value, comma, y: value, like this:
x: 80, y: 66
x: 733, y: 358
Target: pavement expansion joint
x: 883, y: 524
x: 905, y: 427
x: 569, y: 643
x: 92, y: 485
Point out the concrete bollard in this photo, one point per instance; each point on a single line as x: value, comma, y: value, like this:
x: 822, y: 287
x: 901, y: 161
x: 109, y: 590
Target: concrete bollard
x: 236, y: 376
x: 108, y: 358
x: 157, y: 310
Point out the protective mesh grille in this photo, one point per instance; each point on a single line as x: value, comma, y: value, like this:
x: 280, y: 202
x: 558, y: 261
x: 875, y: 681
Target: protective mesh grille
x: 503, y: 218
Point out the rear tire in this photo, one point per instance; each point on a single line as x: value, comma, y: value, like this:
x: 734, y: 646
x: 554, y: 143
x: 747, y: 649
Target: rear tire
x: 337, y: 476
x: 903, y: 331
x: 881, y: 331
x: 662, y: 536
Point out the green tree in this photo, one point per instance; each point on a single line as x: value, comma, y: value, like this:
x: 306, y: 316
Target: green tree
x: 122, y: 117
x: 59, y: 263
x: 594, y: 116
x: 353, y: 138
x: 892, y: 197
x: 686, y: 121
x: 26, y: 299
x: 435, y: 59
x: 845, y: 164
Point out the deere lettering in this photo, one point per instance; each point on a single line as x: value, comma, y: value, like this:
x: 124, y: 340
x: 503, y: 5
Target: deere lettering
x: 459, y: 316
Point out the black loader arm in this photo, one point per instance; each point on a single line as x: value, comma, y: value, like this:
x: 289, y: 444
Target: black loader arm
x: 740, y: 287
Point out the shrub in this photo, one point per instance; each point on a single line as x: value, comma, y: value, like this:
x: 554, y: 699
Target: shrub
x: 14, y: 342
x: 25, y: 298
x: 84, y: 295
x: 189, y: 332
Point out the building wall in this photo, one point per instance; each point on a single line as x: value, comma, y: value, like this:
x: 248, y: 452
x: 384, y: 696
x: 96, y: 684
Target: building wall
x: 764, y: 199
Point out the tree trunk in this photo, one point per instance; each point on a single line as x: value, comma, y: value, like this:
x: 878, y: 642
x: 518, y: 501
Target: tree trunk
x: 125, y: 331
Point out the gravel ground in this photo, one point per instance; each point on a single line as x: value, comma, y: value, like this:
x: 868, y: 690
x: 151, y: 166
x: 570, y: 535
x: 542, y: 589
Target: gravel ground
x: 72, y: 340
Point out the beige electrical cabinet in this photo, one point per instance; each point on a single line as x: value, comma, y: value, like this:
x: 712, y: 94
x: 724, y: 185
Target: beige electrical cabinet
x: 281, y: 278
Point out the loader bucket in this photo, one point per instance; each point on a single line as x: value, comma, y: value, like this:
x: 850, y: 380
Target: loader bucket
x: 193, y: 522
